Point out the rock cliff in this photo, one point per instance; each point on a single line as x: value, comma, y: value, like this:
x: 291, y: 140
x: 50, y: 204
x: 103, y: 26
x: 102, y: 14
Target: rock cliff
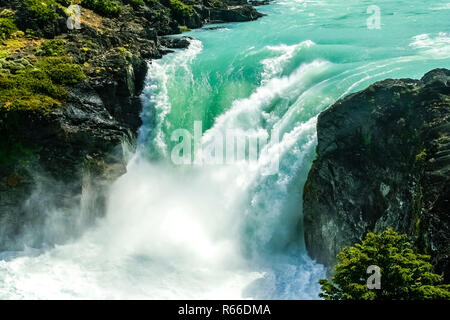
x: 383, y: 160
x: 70, y: 106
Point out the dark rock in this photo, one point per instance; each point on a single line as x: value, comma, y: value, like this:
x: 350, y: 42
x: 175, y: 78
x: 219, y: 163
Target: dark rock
x: 238, y: 13
x: 62, y: 161
x: 74, y: 149
x: 175, y: 43
x: 383, y: 160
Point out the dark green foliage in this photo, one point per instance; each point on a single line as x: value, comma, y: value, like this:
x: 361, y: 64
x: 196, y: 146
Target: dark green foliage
x: 136, y: 3
x: 108, y: 8
x: 7, y: 25
x: 217, y: 3
x: 54, y: 47
x: 13, y: 152
x: 43, y: 10
x: 405, y: 275
x: 180, y: 10
x: 65, y: 3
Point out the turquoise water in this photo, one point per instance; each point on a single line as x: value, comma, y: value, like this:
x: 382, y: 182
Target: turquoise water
x: 233, y: 230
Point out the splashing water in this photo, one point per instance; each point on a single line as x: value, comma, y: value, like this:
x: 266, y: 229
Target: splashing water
x: 230, y: 231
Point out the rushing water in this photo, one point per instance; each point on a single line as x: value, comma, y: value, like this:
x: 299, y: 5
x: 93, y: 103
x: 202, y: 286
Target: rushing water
x: 232, y: 231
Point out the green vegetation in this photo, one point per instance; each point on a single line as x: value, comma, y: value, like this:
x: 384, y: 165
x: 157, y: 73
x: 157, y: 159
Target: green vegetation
x: 184, y: 29
x: 7, y: 25
x: 43, y: 10
x: 51, y: 48
x: 180, y: 10
x: 108, y: 8
x: 136, y: 3
x: 217, y: 4
x: 421, y: 156
x: 39, y: 86
x: 65, y: 3
x: 405, y: 275
x: 61, y: 70
x: 13, y: 152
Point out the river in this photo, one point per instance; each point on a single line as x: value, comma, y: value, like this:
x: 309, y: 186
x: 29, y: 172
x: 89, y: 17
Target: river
x: 233, y: 230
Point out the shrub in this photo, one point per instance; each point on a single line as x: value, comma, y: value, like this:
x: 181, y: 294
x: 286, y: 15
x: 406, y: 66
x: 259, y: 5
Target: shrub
x: 181, y: 10
x: 54, y: 47
x: 108, y: 8
x: 7, y: 26
x: 405, y: 275
x: 43, y: 10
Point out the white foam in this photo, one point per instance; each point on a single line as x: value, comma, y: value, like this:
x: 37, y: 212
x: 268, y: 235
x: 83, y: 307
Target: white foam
x: 437, y: 46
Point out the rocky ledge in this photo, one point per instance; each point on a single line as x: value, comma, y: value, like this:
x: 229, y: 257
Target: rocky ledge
x: 69, y: 101
x: 383, y: 160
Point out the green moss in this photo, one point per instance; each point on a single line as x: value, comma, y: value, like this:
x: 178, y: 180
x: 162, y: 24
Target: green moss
x: 422, y: 156
x: 39, y: 86
x: 108, y: 8
x: 54, y: 47
x: 184, y: 29
x: 43, y: 10
x: 31, y: 90
x: 61, y: 70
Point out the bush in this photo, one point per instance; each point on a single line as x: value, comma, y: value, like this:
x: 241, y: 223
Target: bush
x: 7, y: 26
x: 43, y: 10
x: 181, y: 10
x: 108, y: 8
x: 54, y: 47
x: 405, y: 275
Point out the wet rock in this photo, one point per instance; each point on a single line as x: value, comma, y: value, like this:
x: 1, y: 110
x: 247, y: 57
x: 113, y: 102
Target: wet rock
x: 383, y: 160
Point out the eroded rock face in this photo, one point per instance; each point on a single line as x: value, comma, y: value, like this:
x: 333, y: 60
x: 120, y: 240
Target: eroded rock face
x: 56, y: 166
x: 383, y: 160
x: 65, y: 160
